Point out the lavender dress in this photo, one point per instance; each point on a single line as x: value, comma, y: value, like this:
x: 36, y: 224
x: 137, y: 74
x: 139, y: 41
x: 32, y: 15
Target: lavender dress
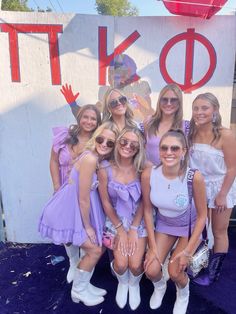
x: 152, y: 145
x: 125, y: 199
x: 61, y: 219
x: 60, y: 134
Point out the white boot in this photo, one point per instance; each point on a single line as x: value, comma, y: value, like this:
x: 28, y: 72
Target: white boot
x: 158, y: 293
x: 134, y: 290
x: 80, y: 290
x: 165, y: 272
x: 122, y: 288
x: 182, y: 298
x: 73, y: 254
x: 95, y: 290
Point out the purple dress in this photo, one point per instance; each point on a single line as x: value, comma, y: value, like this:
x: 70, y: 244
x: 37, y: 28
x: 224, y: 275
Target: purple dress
x: 60, y: 134
x: 152, y: 145
x: 125, y: 199
x: 61, y: 219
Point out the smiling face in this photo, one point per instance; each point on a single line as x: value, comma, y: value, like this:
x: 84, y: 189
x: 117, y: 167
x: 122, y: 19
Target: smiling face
x: 128, y: 145
x: 169, y: 103
x: 171, y: 151
x: 88, y: 121
x: 202, y: 111
x: 117, y: 104
x: 105, y: 142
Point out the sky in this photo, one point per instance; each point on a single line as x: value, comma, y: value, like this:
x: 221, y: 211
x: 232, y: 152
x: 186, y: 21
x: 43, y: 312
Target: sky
x: 146, y: 8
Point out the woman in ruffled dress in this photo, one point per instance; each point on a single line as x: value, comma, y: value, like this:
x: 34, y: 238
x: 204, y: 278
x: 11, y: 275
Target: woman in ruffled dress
x: 68, y: 143
x: 120, y: 190
x: 74, y: 213
x: 213, y: 152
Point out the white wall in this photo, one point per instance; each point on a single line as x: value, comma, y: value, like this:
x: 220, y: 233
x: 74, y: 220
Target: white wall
x: 31, y: 107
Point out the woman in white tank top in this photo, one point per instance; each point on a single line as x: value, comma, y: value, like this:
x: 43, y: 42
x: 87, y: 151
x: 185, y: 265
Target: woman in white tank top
x: 165, y: 188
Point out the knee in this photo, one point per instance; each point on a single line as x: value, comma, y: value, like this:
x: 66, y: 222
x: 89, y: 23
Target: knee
x: 153, y: 271
x: 120, y: 265
x: 96, y: 252
x: 135, y: 266
x: 173, y: 273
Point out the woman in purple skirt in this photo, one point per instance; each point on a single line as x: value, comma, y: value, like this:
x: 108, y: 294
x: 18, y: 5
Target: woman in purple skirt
x: 120, y: 191
x: 74, y: 214
x: 165, y: 188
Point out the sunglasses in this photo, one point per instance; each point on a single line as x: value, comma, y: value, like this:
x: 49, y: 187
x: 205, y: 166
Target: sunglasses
x: 115, y: 102
x: 173, y: 148
x: 173, y: 101
x: 134, y: 146
x: 101, y: 139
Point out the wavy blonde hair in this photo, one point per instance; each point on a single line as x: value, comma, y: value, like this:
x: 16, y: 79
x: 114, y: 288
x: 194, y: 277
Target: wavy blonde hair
x: 152, y: 125
x: 139, y: 158
x: 216, y: 121
x: 107, y: 116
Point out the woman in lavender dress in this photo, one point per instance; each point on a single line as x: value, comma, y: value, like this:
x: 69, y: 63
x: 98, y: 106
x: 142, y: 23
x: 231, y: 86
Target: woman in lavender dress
x: 74, y: 213
x: 168, y: 114
x: 68, y: 143
x: 120, y: 192
x: 165, y: 188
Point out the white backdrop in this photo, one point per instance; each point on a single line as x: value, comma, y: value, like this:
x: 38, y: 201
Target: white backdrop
x: 31, y: 106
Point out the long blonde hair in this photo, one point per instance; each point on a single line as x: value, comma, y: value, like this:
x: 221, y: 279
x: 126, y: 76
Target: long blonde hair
x: 139, y: 158
x: 106, y: 113
x: 216, y: 119
x: 154, y: 122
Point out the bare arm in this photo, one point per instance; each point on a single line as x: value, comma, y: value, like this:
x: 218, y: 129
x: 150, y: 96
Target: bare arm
x: 54, y: 170
x: 229, y: 150
x: 87, y: 167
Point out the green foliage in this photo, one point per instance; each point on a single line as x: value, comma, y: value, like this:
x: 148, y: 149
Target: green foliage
x: 116, y: 8
x: 15, y: 5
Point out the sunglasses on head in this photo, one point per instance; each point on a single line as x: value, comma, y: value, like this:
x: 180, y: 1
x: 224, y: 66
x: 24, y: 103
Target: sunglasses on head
x: 172, y: 100
x: 116, y: 101
x: 173, y: 148
x: 101, y: 139
x: 134, y: 146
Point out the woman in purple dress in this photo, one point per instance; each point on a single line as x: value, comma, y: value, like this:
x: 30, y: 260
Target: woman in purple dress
x: 120, y: 190
x: 74, y: 213
x: 68, y: 143
x: 166, y: 188
x: 168, y: 115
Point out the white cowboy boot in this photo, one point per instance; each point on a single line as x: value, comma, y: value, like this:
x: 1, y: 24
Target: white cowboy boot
x: 122, y: 288
x: 80, y: 290
x: 165, y: 272
x: 134, y: 290
x: 182, y: 298
x: 95, y: 290
x: 158, y: 293
x: 73, y: 254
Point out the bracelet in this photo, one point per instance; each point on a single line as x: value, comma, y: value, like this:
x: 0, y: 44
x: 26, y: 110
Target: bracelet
x: 132, y: 227
x: 119, y: 225
x: 186, y: 254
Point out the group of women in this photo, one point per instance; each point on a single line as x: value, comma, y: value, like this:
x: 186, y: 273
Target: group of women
x: 131, y: 180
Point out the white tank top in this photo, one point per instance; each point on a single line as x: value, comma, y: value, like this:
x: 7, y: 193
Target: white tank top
x: 169, y: 195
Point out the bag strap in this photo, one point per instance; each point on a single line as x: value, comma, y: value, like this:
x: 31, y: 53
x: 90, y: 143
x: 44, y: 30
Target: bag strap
x: 190, y: 177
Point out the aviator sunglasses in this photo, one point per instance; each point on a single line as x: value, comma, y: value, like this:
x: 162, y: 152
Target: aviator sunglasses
x: 173, y: 148
x: 173, y: 101
x: 116, y: 101
x: 134, y: 146
x: 101, y: 139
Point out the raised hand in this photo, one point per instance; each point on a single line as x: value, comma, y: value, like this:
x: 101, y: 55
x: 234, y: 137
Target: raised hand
x: 67, y: 92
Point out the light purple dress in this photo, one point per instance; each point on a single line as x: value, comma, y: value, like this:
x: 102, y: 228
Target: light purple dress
x: 152, y: 145
x: 60, y: 134
x: 61, y: 219
x: 125, y: 199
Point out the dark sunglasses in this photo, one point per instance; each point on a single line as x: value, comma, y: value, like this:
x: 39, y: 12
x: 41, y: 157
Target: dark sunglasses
x: 101, y: 139
x: 115, y: 102
x: 166, y: 100
x: 173, y: 148
x: 134, y: 146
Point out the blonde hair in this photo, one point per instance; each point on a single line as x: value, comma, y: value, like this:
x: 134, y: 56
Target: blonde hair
x: 216, y: 122
x: 139, y: 158
x: 180, y: 136
x: 154, y: 122
x: 105, y: 126
x: 107, y: 116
